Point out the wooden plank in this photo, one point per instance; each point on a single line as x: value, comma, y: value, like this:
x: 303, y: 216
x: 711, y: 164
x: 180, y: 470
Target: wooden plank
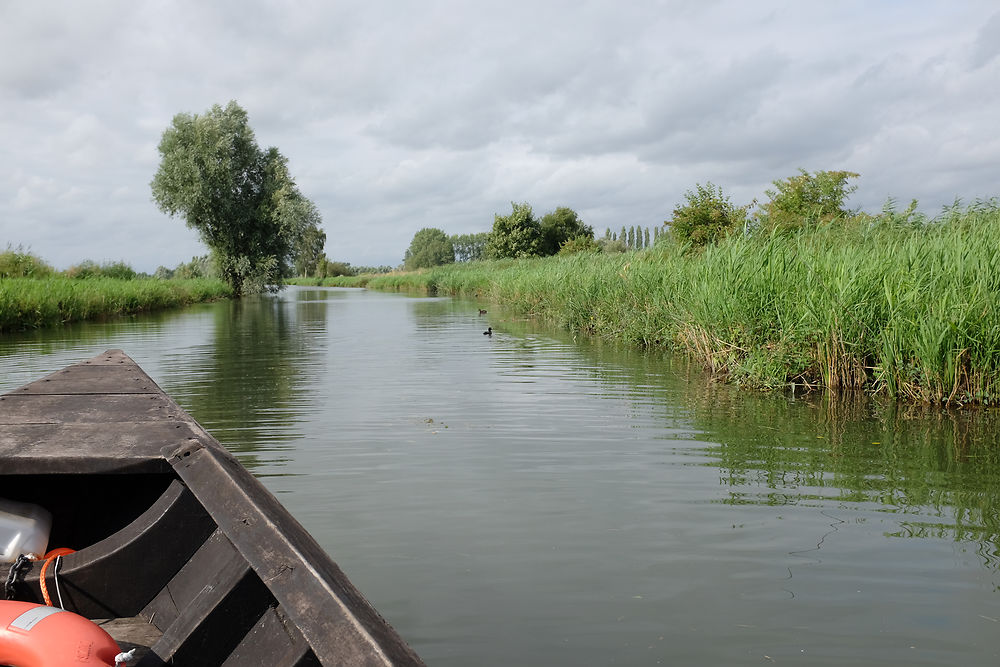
x: 86, y: 408
x: 214, y: 623
x: 338, y: 622
x: 199, y: 571
x: 93, y: 380
x: 131, y: 633
x: 101, y: 579
x: 119, y: 447
x: 110, y: 358
x: 110, y: 373
x: 273, y: 641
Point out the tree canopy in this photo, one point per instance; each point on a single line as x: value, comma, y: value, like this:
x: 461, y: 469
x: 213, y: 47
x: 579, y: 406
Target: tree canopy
x: 806, y: 199
x: 560, y: 226
x: 429, y: 247
x: 518, y: 234
x: 240, y: 199
x: 469, y: 247
x: 707, y: 216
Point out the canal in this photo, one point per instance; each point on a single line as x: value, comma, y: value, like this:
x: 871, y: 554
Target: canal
x: 529, y: 498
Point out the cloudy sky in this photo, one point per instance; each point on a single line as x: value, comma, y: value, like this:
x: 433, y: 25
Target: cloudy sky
x: 401, y: 115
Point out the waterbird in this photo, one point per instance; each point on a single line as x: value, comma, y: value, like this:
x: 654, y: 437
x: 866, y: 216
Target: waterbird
x: 482, y: 312
x: 488, y: 332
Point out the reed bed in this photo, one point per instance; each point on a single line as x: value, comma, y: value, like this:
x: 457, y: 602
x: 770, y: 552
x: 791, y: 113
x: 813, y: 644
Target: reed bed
x: 28, y: 303
x: 907, y: 311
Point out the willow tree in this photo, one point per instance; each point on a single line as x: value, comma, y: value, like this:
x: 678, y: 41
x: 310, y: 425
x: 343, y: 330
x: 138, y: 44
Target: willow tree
x: 240, y: 199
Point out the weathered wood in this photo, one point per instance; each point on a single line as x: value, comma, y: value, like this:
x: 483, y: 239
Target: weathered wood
x: 273, y: 641
x: 125, y: 379
x: 167, y: 521
x: 101, y: 581
x: 217, y: 619
x: 131, y: 633
x: 84, y: 408
x: 329, y: 611
x: 121, y: 447
x: 199, y: 571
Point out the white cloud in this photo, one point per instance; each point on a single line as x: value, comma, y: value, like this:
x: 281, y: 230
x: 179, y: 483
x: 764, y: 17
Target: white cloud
x: 399, y: 117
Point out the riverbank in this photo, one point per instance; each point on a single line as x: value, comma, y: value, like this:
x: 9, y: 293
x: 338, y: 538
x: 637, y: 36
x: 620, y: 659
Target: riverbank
x: 31, y: 303
x: 907, y: 311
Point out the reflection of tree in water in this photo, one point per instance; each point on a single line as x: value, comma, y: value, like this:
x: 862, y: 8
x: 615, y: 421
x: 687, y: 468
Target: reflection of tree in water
x: 248, y: 386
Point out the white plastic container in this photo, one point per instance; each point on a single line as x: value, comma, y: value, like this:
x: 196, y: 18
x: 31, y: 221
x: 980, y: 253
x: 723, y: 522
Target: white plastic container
x: 24, y: 529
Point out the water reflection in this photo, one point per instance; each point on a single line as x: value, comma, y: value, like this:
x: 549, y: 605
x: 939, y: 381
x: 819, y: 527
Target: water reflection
x: 533, y: 498
x: 941, y: 468
x: 251, y: 384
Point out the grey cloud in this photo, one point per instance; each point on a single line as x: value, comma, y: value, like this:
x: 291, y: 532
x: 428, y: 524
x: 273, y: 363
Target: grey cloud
x: 397, y: 117
x: 987, y: 44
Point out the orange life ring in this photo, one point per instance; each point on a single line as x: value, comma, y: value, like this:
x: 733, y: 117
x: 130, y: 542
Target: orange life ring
x: 33, y: 635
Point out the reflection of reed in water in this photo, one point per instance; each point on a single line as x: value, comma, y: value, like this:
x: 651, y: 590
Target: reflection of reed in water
x: 940, y: 466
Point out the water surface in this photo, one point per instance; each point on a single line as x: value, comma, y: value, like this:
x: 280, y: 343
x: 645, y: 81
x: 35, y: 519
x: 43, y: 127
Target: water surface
x: 533, y: 499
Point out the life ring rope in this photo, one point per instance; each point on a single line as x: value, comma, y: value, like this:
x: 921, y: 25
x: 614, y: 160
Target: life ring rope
x: 49, y: 557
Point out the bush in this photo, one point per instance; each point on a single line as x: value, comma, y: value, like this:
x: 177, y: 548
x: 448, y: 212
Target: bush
x: 561, y: 226
x: 329, y: 269
x: 707, y: 217
x: 516, y: 235
x: 610, y: 246
x: 198, y: 267
x: 807, y: 199
x: 18, y: 263
x: 88, y: 268
x: 118, y: 270
x: 579, y: 244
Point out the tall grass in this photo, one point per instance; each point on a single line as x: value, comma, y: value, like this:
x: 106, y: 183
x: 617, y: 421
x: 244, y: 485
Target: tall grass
x: 27, y: 303
x: 908, y: 311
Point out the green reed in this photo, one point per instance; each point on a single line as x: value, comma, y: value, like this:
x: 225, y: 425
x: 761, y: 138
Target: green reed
x: 27, y: 303
x: 904, y: 310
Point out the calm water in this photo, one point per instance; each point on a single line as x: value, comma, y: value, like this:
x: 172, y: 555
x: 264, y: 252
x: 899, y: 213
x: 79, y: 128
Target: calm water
x: 531, y: 499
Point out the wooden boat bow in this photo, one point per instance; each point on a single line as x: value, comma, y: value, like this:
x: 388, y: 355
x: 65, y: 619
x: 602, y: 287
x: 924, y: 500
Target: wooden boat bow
x: 170, y: 529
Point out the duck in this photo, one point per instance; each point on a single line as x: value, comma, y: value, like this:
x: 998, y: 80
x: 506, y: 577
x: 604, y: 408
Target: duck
x: 482, y: 312
x: 488, y: 332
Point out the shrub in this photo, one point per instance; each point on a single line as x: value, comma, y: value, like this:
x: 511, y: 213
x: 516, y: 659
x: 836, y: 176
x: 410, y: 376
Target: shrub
x: 198, y: 267
x: 579, y: 244
x: 19, y: 263
x: 560, y: 226
x: 516, y: 235
x: 707, y: 217
x: 330, y: 269
x: 118, y: 270
x: 88, y: 268
x: 807, y: 199
x: 611, y: 245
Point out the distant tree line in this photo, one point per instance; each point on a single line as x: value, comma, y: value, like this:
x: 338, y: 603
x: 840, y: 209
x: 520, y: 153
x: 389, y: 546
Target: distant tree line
x: 631, y: 238
x: 706, y: 216
x: 517, y: 234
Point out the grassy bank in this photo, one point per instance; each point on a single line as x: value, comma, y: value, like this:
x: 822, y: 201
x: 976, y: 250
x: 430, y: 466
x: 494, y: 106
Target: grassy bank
x: 27, y: 303
x: 332, y: 281
x: 909, y: 311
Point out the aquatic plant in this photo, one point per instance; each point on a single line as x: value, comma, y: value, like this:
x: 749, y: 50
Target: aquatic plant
x: 901, y: 309
x: 28, y: 303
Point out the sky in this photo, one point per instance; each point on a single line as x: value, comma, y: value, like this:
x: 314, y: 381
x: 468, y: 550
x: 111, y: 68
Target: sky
x: 396, y: 116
